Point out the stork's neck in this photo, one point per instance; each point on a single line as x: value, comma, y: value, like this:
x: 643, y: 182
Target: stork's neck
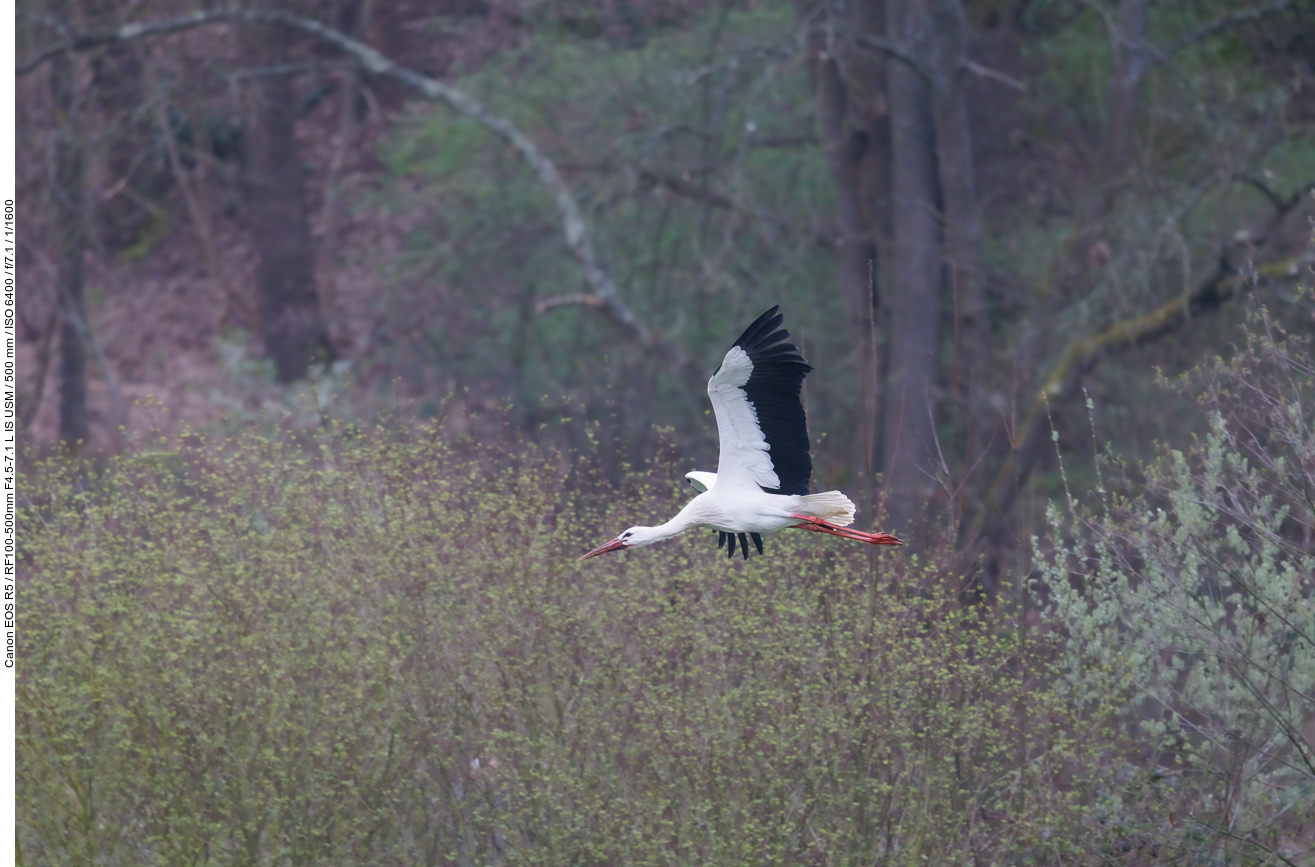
x: 672, y: 528
x: 690, y: 516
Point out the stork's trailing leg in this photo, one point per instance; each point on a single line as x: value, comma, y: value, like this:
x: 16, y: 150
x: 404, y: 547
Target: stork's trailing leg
x: 817, y: 525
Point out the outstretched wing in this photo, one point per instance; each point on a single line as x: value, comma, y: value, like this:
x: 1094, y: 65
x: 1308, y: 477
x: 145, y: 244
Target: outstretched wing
x: 760, y: 418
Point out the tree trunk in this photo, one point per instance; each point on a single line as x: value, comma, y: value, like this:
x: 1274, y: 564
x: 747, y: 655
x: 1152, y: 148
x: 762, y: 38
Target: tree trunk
x: 274, y: 188
x: 971, y: 378
x: 137, y: 169
x: 354, y: 19
x: 913, y: 283
x: 854, y: 137
x: 70, y: 244
x: 844, y: 146
x: 1132, y: 60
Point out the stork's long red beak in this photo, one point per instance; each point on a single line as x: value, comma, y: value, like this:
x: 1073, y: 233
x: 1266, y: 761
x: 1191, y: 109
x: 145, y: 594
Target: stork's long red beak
x: 614, y: 545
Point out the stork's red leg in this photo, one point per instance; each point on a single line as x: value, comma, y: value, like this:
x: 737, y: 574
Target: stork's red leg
x: 817, y: 525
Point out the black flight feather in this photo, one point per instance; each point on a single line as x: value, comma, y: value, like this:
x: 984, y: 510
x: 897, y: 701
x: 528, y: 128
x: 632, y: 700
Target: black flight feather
x: 730, y: 545
x: 721, y: 540
x: 757, y: 542
x: 773, y: 389
x: 744, y: 546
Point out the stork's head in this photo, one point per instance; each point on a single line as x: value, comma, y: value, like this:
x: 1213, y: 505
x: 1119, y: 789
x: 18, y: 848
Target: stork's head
x: 633, y: 538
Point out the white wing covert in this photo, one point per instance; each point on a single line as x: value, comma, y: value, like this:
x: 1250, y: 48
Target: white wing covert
x: 701, y: 481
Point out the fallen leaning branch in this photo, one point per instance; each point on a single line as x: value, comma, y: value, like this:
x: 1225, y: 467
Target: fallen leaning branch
x: 1083, y: 356
x: 603, y: 295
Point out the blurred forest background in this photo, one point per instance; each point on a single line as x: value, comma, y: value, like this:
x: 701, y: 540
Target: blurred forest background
x: 439, y: 284
x: 961, y: 206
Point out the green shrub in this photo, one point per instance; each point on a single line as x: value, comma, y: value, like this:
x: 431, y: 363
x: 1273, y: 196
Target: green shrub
x: 385, y: 652
x: 1200, y: 593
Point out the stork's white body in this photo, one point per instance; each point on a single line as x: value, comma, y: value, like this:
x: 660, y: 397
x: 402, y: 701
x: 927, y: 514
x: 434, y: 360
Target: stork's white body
x: 763, y: 471
x: 748, y: 511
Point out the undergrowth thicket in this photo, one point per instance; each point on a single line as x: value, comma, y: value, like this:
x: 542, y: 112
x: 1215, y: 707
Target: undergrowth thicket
x: 1200, y: 591
x: 384, y: 652
x: 379, y: 648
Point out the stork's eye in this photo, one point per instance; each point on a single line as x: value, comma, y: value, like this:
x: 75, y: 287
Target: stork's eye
x: 626, y: 535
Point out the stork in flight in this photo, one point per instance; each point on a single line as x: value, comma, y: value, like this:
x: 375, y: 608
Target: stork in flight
x: 761, y: 483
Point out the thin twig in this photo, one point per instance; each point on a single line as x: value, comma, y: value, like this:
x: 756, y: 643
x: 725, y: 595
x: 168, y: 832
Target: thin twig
x: 1247, y: 839
x: 981, y: 71
x: 782, y: 49
x: 1219, y: 25
x: 895, y: 50
x: 545, y: 304
x: 698, y: 193
x: 289, y: 69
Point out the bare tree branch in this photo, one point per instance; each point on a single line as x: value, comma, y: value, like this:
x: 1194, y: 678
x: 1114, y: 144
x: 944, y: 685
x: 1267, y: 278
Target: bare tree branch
x: 895, y: 50
x: 576, y: 231
x: 545, y: 304
x: 1247, y: 838
x: 981, y: 71
x: 1219, y: 25
x: 919, y: 65
x: 780, y: 49
x: 758, y: 140
x: 289, y: 69
x: 1281, y: 205
x: 578, y: 238
x: 85, y: 41
x: 688, y: 190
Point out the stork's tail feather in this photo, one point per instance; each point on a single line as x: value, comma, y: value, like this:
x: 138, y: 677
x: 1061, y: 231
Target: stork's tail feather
x: 831, y: 506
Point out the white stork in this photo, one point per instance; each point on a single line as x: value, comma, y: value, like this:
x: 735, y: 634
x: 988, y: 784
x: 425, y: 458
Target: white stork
x: 761, y: 483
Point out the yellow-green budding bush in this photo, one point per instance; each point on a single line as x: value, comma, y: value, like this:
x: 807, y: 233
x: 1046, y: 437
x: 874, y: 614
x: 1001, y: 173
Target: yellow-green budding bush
x: 384, y: 652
